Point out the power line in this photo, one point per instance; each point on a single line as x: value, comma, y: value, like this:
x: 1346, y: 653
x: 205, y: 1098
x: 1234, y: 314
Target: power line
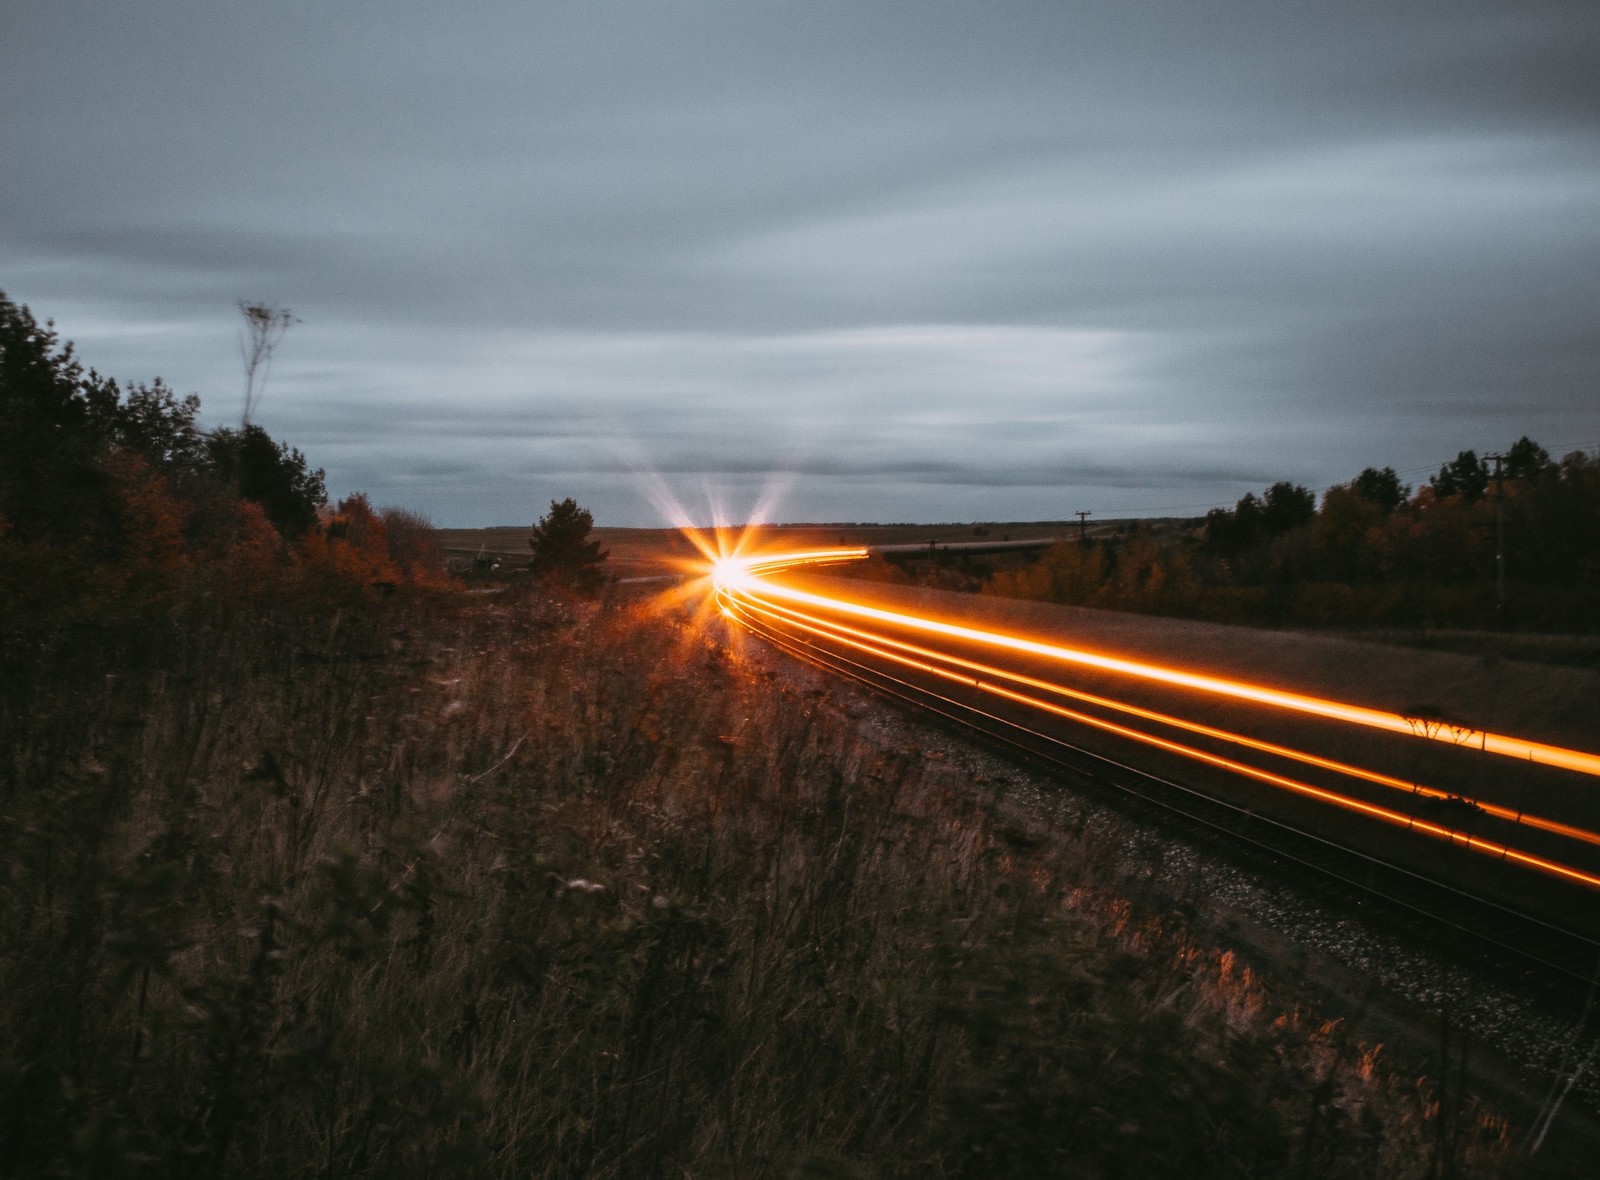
x: 1555, y: 452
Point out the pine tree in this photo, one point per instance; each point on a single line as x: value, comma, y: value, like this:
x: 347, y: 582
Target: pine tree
x: 562, y: 550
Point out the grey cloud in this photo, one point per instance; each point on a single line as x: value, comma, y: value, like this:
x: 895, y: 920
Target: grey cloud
x: 972, y: 252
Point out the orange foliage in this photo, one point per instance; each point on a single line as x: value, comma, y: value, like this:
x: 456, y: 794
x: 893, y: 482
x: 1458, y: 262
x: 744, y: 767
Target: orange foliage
x: 348, y: 555
x: 131, y: 558
x: 151, y: 520
x: 246, y: 556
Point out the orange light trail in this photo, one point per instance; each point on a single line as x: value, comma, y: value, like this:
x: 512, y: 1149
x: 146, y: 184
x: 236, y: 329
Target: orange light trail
x: 850, y: 635
x: 1449, y: 835
x: 744, y: 592
x: 745, y: 576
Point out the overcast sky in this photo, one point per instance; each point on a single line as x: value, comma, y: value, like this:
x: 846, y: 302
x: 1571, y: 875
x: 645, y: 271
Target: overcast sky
x: 870, y: 260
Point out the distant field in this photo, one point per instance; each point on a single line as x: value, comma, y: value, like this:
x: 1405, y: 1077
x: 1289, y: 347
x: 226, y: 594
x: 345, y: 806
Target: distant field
x: 638, y: 552
x: 632, y: 552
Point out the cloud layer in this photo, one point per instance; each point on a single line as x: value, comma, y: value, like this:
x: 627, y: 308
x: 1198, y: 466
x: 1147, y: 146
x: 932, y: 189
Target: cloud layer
x: 919, y: 261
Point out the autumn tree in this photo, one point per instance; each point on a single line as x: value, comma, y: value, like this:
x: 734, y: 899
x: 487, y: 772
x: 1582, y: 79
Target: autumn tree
x: 113, y: 500
x: 413, y: 544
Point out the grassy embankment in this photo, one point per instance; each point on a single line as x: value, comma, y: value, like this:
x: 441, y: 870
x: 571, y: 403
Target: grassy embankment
x: 555, y: 889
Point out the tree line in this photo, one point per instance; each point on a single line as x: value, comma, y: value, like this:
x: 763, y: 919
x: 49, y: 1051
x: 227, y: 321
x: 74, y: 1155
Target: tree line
x: 1373, y: 552
x: 114, y: 500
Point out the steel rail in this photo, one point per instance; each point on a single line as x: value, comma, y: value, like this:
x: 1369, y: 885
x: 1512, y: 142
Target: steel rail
x: 976, y: 672
x: 1478, y: 844
x: 1165, y: 795
x: 745, y: 575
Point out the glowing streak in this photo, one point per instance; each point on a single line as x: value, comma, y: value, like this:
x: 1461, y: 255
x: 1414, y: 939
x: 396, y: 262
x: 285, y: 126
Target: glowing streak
x: 1475, y: 843
x: 732, y: 570
x: 739, y: 577
x: 1505, y: 813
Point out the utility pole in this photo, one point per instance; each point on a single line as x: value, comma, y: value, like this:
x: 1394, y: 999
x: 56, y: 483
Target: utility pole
x: 1083, y: 524
x: 1499, y: 542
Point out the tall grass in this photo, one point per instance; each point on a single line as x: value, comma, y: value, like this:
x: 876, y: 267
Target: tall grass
x: 564, y: 889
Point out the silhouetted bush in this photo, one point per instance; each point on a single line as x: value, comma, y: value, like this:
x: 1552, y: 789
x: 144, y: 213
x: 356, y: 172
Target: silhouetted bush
x: 563, y: 551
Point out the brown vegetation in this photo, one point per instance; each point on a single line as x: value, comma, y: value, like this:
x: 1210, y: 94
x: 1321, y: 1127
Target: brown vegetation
x: 574, y: 889
x: 114, y: 504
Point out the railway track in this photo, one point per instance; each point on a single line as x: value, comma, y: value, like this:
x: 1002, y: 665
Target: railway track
x: 1487, y: 934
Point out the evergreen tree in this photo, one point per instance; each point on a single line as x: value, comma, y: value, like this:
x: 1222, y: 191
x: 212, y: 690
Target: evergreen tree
x: 1381, y: 488
x: 1466, y: 476
x: 1286, y: 506
x: 1528, y: 460
x: 272, y: 474
x: 562, y: 550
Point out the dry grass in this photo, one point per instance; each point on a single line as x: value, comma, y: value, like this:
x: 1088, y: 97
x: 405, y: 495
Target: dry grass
x: 571, y: 889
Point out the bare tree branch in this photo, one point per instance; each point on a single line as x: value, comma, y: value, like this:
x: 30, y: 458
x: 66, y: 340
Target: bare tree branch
x: 264, y: 327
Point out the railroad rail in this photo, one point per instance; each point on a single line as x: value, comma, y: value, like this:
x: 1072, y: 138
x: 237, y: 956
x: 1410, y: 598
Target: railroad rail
x: 1048, y: 721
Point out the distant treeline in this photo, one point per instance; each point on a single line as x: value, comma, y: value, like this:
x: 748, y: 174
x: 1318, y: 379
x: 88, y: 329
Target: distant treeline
x: 1374, y: 553
x: 114, y: 501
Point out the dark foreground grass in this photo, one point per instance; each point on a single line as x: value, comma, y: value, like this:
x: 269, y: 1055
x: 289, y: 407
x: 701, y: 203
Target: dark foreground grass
x: 576, y: 890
